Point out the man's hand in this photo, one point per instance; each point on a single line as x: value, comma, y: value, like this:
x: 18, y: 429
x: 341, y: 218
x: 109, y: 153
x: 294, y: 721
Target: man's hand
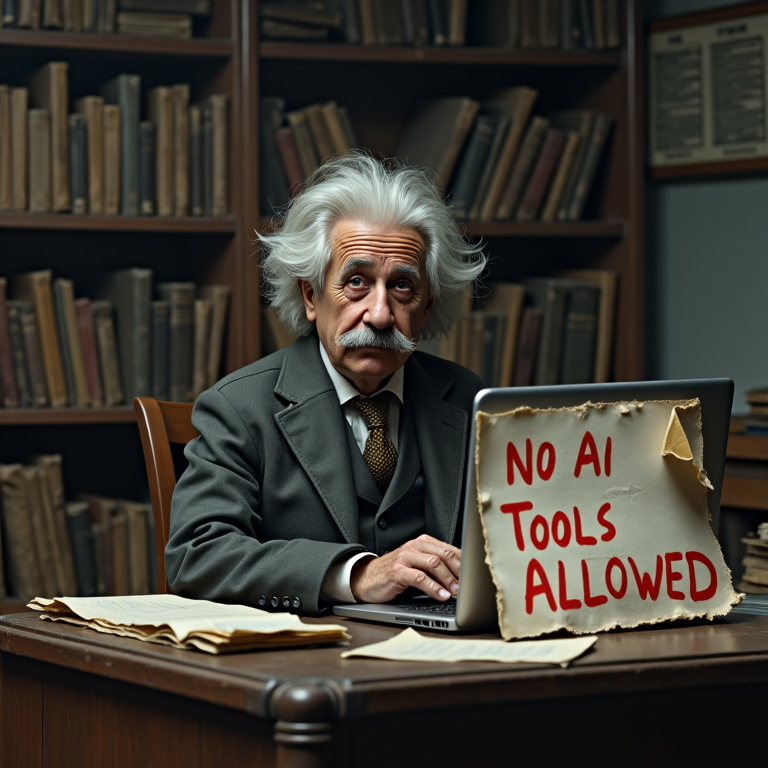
x: 425, y: 563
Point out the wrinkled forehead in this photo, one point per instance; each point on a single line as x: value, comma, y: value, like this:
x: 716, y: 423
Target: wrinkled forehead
x: 355, y: 240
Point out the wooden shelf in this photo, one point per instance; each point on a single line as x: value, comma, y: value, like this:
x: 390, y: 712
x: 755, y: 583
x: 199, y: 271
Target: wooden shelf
x: 121, y: 414
x: 190, y: 224
x: 467, y: 55
x: 13, y: 605
x: 114, y: 44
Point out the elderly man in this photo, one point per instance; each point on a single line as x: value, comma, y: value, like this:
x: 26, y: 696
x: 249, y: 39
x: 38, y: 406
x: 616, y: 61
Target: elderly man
x: 332, y: 470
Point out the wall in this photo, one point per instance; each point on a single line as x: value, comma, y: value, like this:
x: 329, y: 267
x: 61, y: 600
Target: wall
x: 707, y: 256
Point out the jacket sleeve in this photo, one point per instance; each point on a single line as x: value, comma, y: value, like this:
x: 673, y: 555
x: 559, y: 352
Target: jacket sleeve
x: 216, y: 548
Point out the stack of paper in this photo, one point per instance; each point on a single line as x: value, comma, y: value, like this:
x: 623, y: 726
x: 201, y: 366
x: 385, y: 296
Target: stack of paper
x: 184, y: 623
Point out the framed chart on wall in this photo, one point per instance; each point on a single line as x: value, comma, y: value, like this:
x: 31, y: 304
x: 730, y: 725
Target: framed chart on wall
x: 708, y: 92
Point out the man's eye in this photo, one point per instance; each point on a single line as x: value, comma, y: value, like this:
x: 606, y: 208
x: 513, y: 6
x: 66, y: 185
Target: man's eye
x: 356, y: 282
x: 402, y: 285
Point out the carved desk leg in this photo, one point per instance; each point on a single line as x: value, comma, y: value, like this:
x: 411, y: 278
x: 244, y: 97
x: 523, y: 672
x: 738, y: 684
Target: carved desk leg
x: 305, y: 711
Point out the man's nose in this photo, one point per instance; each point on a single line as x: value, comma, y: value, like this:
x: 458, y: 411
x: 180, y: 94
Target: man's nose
x: 378, y: 312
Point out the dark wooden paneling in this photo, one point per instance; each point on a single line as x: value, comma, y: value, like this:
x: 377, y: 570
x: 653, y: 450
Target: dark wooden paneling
x: 21, y: 712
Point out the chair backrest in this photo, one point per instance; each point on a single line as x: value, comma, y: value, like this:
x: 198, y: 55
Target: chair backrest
x: 162, y: 424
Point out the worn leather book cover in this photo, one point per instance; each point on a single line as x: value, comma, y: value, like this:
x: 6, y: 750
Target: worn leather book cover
x: 274, y: 185
x: 106, y: 343
x: 51, y: 464
x: 206, y: 132
x: 88, y: 346
x: 580, y: 333
x: 53, y: 14
x: 598, y: 23
x: 491, y: 161
x: 112, y: 151
x: 107, y: 11
x: 58, y: 557
x: 35, y: 287
x: 8, y: 388
x: 90, y: 11
x: 438, y: 21
x: 19, y: 545
x: 33, y: 353
x: 180, y: 149
x: 506, y: 299
x: 549, y: 294
x: 368, y: 34
x: 161, y: 109
x: 388, y: 20
x: 588, y: 168
x: 8, y: 13
x: 101, y: 511
x: 219, y: 153
x: 181, y: 300
x: 202, y: 340
x: 67, y: 291
x: 125, y: 92
x: 63, y: 334
x: 557, y: 187
x: 19, y: 357
x: 72, y: 15
x: 160, y: 350
x: 196, y: 202
x: 6, y: 166
x: 587, y: 23
x: 19, y: 144
x: 522, y: 168
x: 415, y: 22
x: 173, y: 25
x: 147, y: 166
x: 571, y: 36
x: 457, y: 22
x: 299, y: 122
x: 138, y: 564
x: 78, y: 163
x: 120, y: 557
x: 34, y: 478
x: 290, y: 161
x: 321, y: 135
x: 527, y: 346
x: 336, y: 128
x: 541, y: 176
x: 471, y: 164
x: 30, y: 12
x: 92, y: 108
x: 581, y: 121
x: 83, y: 551
x: 49, y: 89
x: 219, y: 296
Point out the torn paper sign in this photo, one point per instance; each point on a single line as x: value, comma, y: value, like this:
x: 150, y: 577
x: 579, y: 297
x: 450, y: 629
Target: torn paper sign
x: 596, y: 517
x: 409, y: 645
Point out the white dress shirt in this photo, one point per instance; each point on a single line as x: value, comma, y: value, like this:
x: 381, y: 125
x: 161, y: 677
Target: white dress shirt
x: 336, y: 584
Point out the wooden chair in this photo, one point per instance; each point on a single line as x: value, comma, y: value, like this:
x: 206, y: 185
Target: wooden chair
x: 165, y: 429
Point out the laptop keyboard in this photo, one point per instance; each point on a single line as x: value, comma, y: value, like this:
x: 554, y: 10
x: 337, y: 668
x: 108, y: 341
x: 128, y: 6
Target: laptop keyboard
x: 441, y: 609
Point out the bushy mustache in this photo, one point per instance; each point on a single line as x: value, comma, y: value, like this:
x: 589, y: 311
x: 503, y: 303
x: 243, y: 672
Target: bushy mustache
x: 389, y: 338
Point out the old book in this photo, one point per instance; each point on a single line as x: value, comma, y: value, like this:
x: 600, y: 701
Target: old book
x: 92, y: 108
x: 83, y: 552
x: 196, y: 160
x: 219, y: 154
x: 301, y: 15
x: 160, y: 350
x: 72, y: 15
x: 550, y: 296
x: 581, y: 121
x: 6, y: 166
x: 181, y: 299
x: 368, y: 34
x: 138, y: 565
x: 557, y: 187
x: 522, y: 168
x: 19, y: 371
x: 33, y: 353
x: 107, y: 12
x: 30, y: 12
x: 161, y: 113
x: 39, y: 130
x: 506, y: 299
x: 147, y: 165
x: 89, y: 347
x: 589, y: 163
x: 195, y: 7
x: 335, y: 128
x: 130, y: 293
x: 491, y: 162
x: 515, y: 104
x: 180, y: 149
x: 19, y: 145
x: 69, y: 339
x: 58, y: 558
x: 299, y: 122
x: 22, y: 567
x: 457, y: 22
x: 607, y: 280
x: 51, y: 465
x: 112, y: 158
x: 541, y: 176
x: 90, y: 11
x: 587, y: 23
x: 471, y: 164
x: 577, y: 365
x: 219, y: 296
x: 34, y: 478
x: 78, y: 163
x: 571, y: 37
x: 415, y: 22
x: 612, y: 15
x: 202, y: 340
x: 598, y: 23
x: 49, y: 89
x: 8, y: 388
x: 287, y: 30
x: 438, y: 21
x: 125, y: 91
x: 35, y: 287
x: 100, y: 511
x: 8, y: 13
x: 173, y: 25
x: 206, y: 133
x: 321, y: 135
x: 435, y: 133
x: 549, y: 23
x: 529, y: 24
x: 106, y: 344
x: 388, y: 19
x: 274, y: 182
x: 53, y: 14
x: 120, y: 556
x: 526, y: 354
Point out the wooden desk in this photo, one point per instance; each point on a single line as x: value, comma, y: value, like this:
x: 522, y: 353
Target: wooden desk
x: 693, y: 694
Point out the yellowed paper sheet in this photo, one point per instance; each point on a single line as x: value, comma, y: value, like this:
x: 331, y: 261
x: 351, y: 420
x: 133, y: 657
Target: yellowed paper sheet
x: 409, y: 645
x: 593, y: 518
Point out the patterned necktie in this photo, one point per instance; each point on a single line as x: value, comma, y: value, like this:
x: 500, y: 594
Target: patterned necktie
x: 380, y: 454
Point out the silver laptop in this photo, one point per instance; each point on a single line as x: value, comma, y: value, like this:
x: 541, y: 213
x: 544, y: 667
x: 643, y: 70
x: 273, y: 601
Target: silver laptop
x: 475, y: 607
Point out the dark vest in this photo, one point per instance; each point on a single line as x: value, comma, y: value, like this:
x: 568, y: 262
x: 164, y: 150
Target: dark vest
x: 386, y: 523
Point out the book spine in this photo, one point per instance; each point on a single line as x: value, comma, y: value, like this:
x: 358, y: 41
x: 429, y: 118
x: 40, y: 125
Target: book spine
x: 219, y: 296
x: 533, y: 197
x: 207, y: 155
x: 181, y: 149
x: 160, y: 349
x: 307, y: 155
x: 9, y: 13
x: 274, y: 186
x: 39, y: 124
x: 335, y: 128
x: 220, y: 154
x: 367, y: 24
x: 40, y: 540
x: 142, y: 309
x: 457, y: 22
x: 289, y: 155
x: 84, y: 555
x: 90, y: 356
x: 92, y: 107
x: 579, y: 335
x: 598, y: 23
x: 138, y: 566
x: 111, y: 143
x: 570, y: 25
x: 586, y: 175
x: 78, y: 164
x: 161, y: 109
x: 147, y: 166
x: 388, y: 20
x: 53, y: 14
x: 202, y: 334
x: 34, y: 356
x: 72, y: 15
x: 59, y: 106
x: 129, y: 95
x: 19, y: 147
x: 181, y: 301
x: 557, y: 188
x: 23, y: 568
x: 321, y: 136
x: 587, y: 24
x: 23, y: 384
x: 61, y: 329
x: 475, y: 155
x: 6, y: 167
x: 528, y: 346
x: 109, y: 362
x: 529, y: 24
x: 8, y: 388
x: 196, y: 160
x: 551, y: 299
x: 438, y: 18
x: 29, y: 14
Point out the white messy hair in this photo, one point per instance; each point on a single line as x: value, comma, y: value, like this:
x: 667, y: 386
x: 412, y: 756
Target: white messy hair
x: 356, y: 187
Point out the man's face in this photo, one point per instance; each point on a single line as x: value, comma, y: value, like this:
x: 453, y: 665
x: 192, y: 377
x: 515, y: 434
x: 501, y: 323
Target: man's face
x: 376, y: 279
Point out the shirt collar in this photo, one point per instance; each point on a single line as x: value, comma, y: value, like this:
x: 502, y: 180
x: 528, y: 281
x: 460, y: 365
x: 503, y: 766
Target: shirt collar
x: 345, y: 391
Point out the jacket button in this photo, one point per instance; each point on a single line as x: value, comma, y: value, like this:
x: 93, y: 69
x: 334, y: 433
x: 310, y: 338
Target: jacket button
x: 383, y: 523
x: 262, y: 599
x: 296, y: 602
x: 275, y: 601
x: 286, y: 602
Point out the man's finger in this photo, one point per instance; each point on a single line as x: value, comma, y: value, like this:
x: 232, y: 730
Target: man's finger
x: 450, y: 556
x: 413, y: 577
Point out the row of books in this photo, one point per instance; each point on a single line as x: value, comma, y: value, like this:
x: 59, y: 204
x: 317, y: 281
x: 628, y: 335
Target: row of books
x: 756, y: 421
x: 102, y: 158
x: 157, y: 18
x: 56, y: 350
x: 367, y: 22
x: 87, y: 547
x: 498, y: 161
x: 754, y: 580
x: 542, y: 331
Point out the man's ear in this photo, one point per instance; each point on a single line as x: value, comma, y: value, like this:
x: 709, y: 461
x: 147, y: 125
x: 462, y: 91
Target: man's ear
x: 308, y: 295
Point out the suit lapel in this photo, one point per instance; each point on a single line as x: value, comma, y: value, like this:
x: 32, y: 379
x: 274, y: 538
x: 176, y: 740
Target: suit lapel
x: 314, y: 427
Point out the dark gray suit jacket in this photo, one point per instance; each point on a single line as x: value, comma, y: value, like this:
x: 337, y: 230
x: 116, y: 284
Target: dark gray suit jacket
x: 268, y: 503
